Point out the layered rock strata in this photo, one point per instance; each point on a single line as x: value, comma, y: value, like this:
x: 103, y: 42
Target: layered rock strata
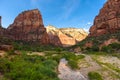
x: 28, y: 26
x: 108, y: 19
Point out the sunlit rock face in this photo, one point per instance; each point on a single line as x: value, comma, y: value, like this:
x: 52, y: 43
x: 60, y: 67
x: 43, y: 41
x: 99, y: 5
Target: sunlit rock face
x: 108, y: 19
x: 65, y: 37
x: 77, y: 34
x: 28, y: 26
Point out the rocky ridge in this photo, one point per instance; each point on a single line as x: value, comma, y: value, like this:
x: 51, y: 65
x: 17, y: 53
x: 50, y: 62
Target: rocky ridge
x: 1, y: 29
x: 58, y: 38
x: 28, y: 26
x: 77, y: 34
x: 108, y: 19
x: 65, y: 36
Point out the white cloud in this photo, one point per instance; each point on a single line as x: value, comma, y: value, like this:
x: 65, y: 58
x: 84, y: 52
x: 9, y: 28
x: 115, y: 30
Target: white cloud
x: 86, y: 29
x: 87, y: 26
x: 89, y: 23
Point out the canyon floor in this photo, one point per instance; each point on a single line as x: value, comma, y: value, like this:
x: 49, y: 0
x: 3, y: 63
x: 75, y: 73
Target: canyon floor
x: 107, y: 65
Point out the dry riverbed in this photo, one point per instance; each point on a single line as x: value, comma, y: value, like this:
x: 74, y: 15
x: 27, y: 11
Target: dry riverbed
x: 107, y: 66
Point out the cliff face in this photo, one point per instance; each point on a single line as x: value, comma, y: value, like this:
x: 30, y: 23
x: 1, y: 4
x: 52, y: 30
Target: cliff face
x: 65, y: 36
x: 28, y: 26
x: 108, y: 19
x: 58, y: 38
x: 77, y: 34
x: 2, y: 30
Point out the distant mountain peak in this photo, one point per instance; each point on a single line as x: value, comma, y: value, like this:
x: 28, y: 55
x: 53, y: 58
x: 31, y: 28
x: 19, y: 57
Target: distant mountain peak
x: 65, y: 36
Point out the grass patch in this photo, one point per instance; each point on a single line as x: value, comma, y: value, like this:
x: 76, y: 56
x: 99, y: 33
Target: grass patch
x: 107, y: 66
x: 111, y: 67
x: 70, y: 57
x: 35, y: 47
x: 73, y: 59
x: 116, y: 55
x: 94, y: 76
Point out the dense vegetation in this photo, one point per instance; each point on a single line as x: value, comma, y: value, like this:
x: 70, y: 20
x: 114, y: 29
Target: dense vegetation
x: 34, y: 67
x: 26, y: 67
x: 97, y: 41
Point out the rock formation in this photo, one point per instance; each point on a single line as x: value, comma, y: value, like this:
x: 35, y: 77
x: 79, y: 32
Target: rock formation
x: 2, y: 31
x: 1, y: 28
x: 28, y: 26
x: 107, y: 42
x: 108, y: 20
x: 65, y: 36
x: 77, y: 34
x: 58, y: 38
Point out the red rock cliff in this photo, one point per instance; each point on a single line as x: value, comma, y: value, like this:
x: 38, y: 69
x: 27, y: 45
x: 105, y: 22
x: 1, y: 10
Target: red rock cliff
x: 28, y: 26
x: 108, y: 20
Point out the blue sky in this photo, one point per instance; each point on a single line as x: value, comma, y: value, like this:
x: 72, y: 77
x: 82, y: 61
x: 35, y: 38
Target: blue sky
x: 59, y: 13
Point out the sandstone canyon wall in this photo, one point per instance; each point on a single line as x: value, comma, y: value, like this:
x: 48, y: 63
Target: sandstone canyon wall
x: 2, y: 30
x: 28, y: 26
x: 77, y: 34
x: 58, y: 38
x: 65, y: 36
x: 108, y: 19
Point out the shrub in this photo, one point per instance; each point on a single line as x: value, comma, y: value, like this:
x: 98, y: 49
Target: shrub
x: 5, y: 65
x: 92, y: 49
x: 58, y: 49
x: 73, y: 59
x: 28, y: 68
x: 73, y: 64
x: 95, y: 48
x: 107, y: 49
x: 94, y: 76
x: 50, y: 64
x: 115, y: 46
x: 11, y: 52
